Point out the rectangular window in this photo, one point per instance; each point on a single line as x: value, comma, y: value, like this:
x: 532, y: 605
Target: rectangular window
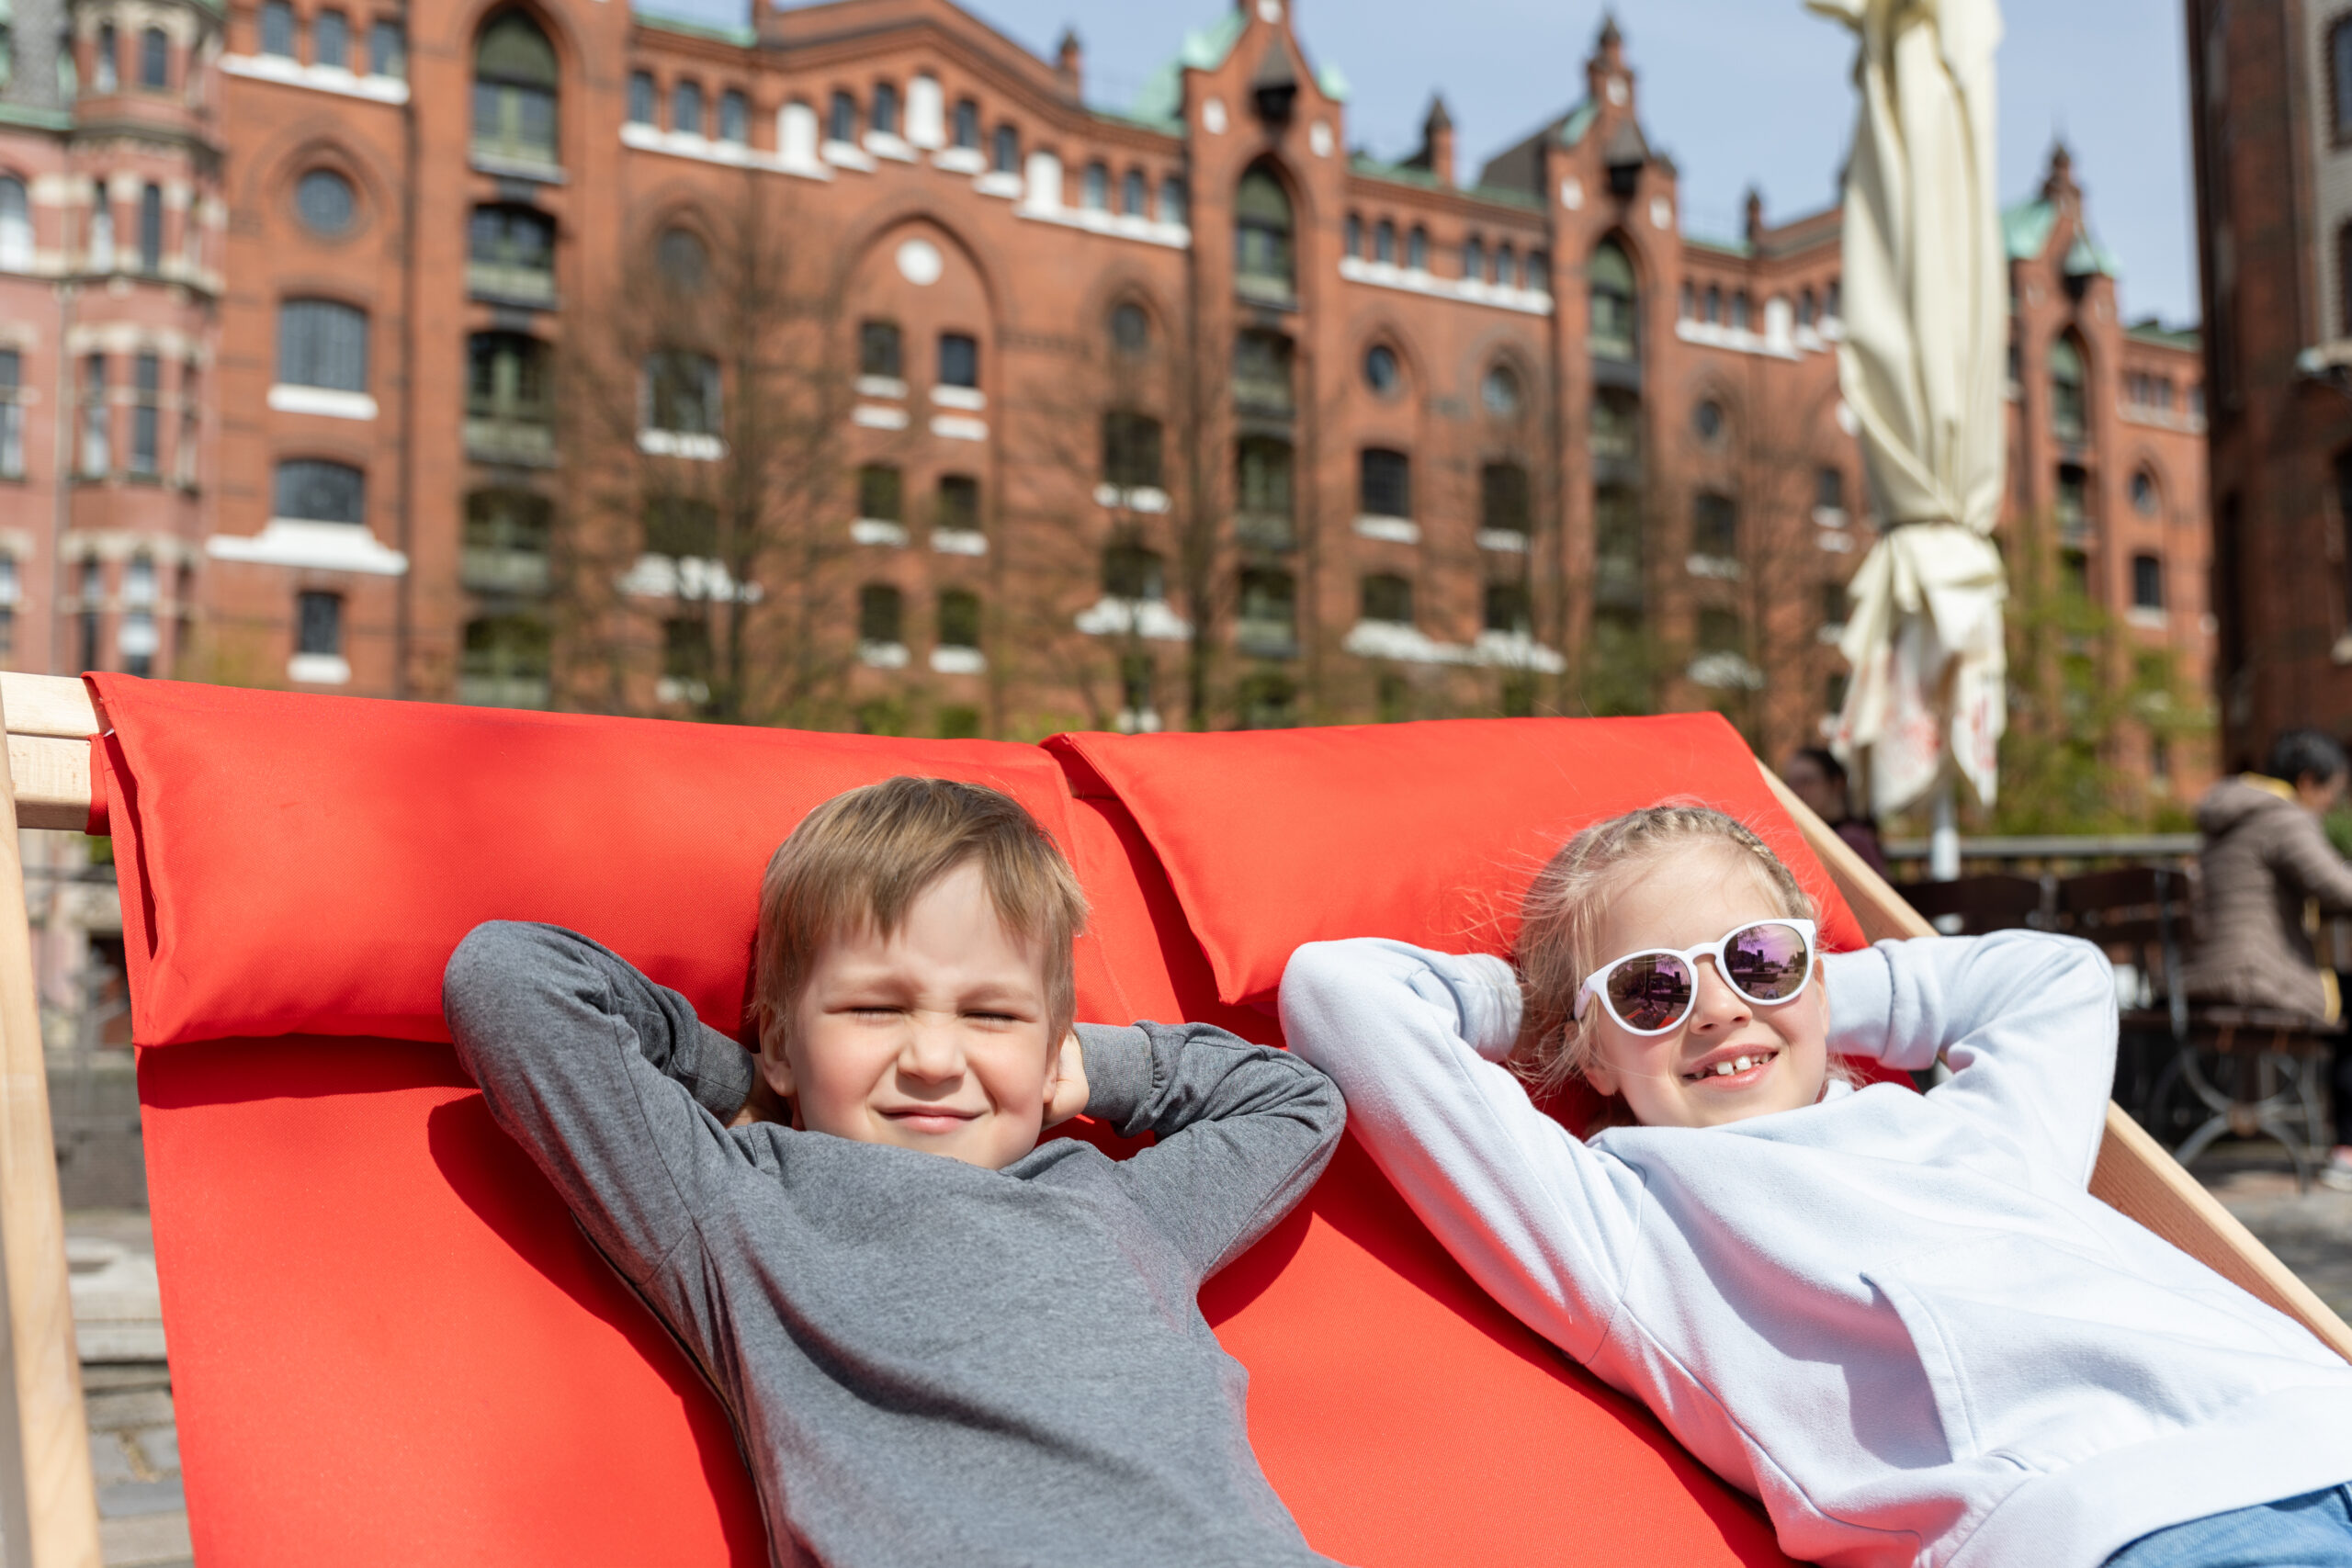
x: 1007, y: 157
x: 387, y: 49
x: 886, y: 109
x: 318, y: 622
x: 640, y: 97
x: 1714, y: 528
x: 104, y: 52
x: 681, y: 527
x: 146, y: 416
x: 1384, y: 484
x: 191, y: 412
x: 959, y: 360
x: 841, y: 120
x: 1388, y: 598
x: 734, y: 116
x: 331, y: 40
x: 154, y: 59
x: 150, y: 229
x: 321, y: 343
x: 880, y: 613
x: 277, y: 28
x: 1829, y: 489
x: 12, y: 415
x: 685, y: 108
x: 1503, y: 499
x: 309, y: 489
x: 1130, y: 451
x: 959, y: 504
x: 2147, y: 582
x: 968, y: 125
x: 880, y: 495
x: 97, y: 455
x: 959, y: 618
x: 682, y: 393
x: 877, y: 349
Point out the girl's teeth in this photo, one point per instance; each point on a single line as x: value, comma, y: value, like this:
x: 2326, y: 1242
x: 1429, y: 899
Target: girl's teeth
x: 1724, y: 1069
x: 1742, y: 1064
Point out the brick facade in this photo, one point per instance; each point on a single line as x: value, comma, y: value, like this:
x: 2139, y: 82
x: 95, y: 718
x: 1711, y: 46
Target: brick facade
x: 1190, y: 415
x: 2272, y: 139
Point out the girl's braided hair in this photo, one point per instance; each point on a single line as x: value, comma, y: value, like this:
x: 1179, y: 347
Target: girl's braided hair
x: 1560, y: 921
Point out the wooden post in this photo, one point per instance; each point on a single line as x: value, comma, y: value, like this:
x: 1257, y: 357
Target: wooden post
x: 47, y: 1491
x: 2135, y: 1174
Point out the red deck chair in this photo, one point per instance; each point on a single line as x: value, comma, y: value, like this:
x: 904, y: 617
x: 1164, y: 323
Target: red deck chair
x: 391, y: 1345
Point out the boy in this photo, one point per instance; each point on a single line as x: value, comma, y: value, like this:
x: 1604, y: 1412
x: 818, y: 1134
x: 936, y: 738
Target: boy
x: 939, y: 1341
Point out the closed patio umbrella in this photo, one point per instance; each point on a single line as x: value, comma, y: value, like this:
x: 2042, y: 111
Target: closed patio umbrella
x: 1922, y: 364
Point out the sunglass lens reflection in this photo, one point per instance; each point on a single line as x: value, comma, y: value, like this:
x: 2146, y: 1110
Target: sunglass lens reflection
x: 1766, y: 961
x: 1651, y: 991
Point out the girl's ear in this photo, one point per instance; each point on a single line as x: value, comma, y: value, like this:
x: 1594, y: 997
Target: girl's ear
x: 1600, y: 1075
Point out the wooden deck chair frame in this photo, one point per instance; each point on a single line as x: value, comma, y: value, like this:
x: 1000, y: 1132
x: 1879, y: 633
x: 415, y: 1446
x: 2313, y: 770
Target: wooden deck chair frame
x: 48, y: 1500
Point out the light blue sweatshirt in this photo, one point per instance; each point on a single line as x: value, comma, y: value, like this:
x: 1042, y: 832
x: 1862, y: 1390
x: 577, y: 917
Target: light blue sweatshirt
x: 1900, y: 1320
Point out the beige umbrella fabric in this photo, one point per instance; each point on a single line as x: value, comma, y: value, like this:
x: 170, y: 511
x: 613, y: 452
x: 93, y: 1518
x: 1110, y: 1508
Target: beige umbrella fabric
x: 1922, y: 366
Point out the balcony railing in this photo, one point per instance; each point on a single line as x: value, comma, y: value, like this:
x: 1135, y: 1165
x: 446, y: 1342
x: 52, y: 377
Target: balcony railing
x: 517, y: 284
x: 487, y: 569
x: 510, y: 691
x: 497, y: 440
x: 1265, y: 530
x: 1266, y: 638
x: 1617, y: 582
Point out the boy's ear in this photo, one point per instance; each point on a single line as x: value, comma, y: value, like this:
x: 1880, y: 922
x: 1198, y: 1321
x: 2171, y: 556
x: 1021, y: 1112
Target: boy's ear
x: 775, y: 1067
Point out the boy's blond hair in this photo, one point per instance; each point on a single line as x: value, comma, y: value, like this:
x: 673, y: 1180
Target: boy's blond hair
x: 1559, y: 933
x: 861, y: 859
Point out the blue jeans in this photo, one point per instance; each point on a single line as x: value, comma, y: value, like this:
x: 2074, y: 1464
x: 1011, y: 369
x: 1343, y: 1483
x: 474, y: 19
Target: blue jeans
x: 2310, y: 1531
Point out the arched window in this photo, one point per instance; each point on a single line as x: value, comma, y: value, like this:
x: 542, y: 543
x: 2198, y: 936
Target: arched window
x: 642, y: 98
x: 1714, y: 314
x: 104, y: 60
x: 685, y: 108
x: 1743, y: 312
x: 1473, y: 259
x: 515, y: 91
x: 331, y: 40
x: 885, y: 113
x: 1095, y: 190
x: 1006, y: 159
x: 321, y: 343
x: 1539, y: 272
x: 841, y: 117
x: 1263, y: 226
x: 1383, y: 242
x: 967, y: 124
x: 2067, y: 407
x: 1353, y: 244
x: 1416, y: 249
x: 1809, y: 308
x: 1135, y: 194
x: 956, y: 509
x: 1175, y: 205
x: 101, y: 257
x: 734, y: 116
x: 16, y: 226
x: 2147, y: 500
x: 1388, y: 598
x: 2344, y: 278
x: 1610, y: 278
x: 277, y: 29
x: 315, y: 492
x: 154, y: 59
x: 1501, y: 392
x: 2339, y: 61
x: 1130, y: 328
x: 1506, y: 265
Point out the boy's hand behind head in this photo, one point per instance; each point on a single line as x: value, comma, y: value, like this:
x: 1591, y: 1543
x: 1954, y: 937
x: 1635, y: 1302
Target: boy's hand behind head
x: 936, y: 1037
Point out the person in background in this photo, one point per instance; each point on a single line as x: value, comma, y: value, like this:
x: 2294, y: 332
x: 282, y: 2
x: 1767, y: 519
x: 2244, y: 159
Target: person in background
x: 2270, y: 875
x: 1819, y: 780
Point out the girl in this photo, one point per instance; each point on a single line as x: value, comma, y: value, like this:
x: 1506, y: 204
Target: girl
x: 1900, y: 1320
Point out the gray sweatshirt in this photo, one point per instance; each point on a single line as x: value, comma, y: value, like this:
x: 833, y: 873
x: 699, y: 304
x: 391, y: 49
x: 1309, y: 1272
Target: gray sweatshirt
x: 926, y: 1362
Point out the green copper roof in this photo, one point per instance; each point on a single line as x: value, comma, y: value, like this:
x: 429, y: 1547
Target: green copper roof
x: 1161, y: 101
x: 2025, y: 228
x: 741, y: 37
x: 1334, y: 83
x: 2155, y: 332
x: 2088, y: 257
x: 1579, y: 120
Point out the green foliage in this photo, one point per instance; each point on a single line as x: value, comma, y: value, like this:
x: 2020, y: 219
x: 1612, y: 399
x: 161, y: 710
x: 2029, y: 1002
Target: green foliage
x: 2081, y: 691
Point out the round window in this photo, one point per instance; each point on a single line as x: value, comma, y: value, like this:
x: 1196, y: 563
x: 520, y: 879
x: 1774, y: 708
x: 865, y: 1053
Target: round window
x: 1380, y: 371
x: 325, y: 201
x: 1130, y: 329
x: 1501, y: 392
x: 2143, y: 493
x: 1708, y: 420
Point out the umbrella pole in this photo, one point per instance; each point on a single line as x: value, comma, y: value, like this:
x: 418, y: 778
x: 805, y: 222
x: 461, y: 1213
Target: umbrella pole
x: 1943, y: 839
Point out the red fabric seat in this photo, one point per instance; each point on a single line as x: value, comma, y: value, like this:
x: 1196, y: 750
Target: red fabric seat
x: 389, y: 1343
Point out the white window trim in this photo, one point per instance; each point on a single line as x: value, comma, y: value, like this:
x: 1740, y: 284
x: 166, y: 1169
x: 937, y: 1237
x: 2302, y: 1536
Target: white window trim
x: 319, y: 670
x: 318, y: 547
x: 287, y: 397
x: 959, y: 427
x: 318, y: 78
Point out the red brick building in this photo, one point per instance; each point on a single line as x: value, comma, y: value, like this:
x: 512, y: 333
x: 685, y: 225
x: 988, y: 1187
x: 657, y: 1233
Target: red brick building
x: 2271, y: 104
x: 854, y: 369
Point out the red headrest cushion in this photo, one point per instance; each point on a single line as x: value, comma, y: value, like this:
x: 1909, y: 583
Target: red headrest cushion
x: 1427, y: 832
x: 364, y: 839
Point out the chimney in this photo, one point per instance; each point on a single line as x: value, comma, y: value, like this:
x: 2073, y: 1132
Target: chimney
x: 1755, y: 216
x: 1437, y: 143
x: 1070, y: 62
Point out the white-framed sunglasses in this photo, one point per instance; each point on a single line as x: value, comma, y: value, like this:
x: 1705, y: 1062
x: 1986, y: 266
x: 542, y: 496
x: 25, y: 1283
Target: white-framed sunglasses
x: 1650, y: 992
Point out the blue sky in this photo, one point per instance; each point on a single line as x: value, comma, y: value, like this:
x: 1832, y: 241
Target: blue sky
x: 1738, y: 91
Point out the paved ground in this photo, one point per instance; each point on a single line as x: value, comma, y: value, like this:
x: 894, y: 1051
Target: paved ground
x: 2310, y: 1231
x: 134, y: 1443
